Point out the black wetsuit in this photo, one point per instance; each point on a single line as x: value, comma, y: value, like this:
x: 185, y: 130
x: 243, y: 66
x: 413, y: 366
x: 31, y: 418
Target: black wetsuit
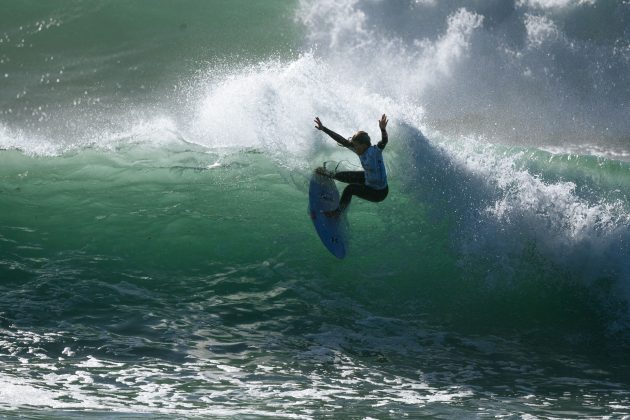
x: 357, y: 187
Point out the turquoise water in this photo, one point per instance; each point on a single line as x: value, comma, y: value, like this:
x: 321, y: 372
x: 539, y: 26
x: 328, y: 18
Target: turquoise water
x: 157, y: 258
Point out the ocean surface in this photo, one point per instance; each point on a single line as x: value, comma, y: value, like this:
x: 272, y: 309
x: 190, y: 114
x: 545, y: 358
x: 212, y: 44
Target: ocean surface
x: 156, y: 255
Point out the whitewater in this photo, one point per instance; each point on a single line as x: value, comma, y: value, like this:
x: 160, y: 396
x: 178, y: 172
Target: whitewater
x: 157, y: 258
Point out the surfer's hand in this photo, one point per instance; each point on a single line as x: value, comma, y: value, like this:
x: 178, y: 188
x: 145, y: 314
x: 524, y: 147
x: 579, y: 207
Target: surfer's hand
x: 318, y: 124
x: 383, y: 122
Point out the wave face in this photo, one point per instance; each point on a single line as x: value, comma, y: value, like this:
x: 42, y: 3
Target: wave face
x: 155, y: 252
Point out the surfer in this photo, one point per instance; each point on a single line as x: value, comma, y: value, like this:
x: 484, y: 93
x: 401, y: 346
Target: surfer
x: 369, y: 184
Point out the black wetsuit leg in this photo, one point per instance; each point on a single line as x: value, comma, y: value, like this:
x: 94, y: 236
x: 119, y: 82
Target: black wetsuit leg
x: 351, y: 177
x: 357, y: 187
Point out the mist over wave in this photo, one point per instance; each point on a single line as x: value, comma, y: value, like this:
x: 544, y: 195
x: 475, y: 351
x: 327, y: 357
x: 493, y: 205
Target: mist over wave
x: 544, y: 73
x: 527, y: 72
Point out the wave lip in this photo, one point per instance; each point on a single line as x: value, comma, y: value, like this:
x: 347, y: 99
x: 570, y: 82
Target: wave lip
x: 155, y: 132
x: 30, y: 145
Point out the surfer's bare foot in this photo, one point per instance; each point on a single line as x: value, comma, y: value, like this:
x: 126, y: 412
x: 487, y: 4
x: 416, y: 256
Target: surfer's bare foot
x: 324, y: 172
x: 333, y: 213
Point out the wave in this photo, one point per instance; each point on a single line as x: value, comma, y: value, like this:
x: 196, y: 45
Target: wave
x: 483, y: 226
x: 155, y: 250
x: 487, y: 215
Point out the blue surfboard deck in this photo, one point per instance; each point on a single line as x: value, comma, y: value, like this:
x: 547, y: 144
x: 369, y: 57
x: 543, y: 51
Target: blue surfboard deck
x: 324, y: 196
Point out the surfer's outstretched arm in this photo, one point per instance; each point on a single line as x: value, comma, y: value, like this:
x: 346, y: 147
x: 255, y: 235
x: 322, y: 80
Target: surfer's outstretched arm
x: 336, y: 137
x: 382, y: 123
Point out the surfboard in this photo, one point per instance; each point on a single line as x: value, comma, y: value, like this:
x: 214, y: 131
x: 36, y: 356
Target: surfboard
x: 324, y: 196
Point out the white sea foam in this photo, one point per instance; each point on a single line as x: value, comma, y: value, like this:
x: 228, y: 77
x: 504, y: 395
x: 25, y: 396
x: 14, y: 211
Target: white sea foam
x: 540, y: 29
x: 470, y: 68
x: 155, y: 131
x: 579, y: 232
x: 271, y: 106
x: 554, y: 4
x: 29, y: 144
